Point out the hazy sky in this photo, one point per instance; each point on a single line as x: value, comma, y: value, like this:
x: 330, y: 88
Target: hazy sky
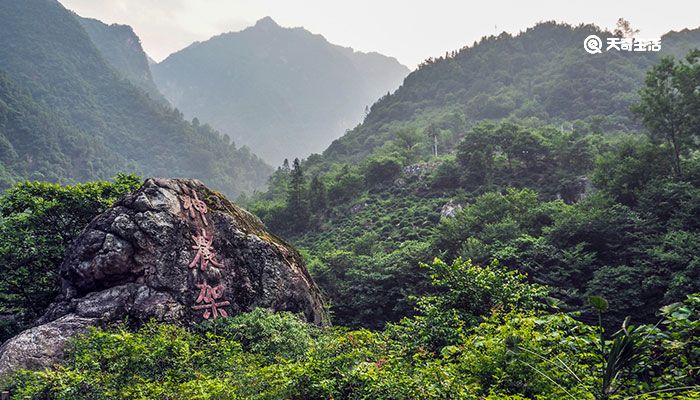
x: 408, y: 30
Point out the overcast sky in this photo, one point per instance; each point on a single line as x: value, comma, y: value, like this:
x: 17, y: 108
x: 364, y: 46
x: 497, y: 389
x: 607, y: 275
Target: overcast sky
x: 410, y: 30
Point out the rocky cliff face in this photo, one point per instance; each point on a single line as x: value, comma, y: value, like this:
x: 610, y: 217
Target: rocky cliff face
x: 173, y: 251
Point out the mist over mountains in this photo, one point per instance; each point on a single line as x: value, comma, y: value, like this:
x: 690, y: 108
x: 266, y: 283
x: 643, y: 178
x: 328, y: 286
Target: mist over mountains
x: 71, y: 113
x: 283, y: 92
x: 79, y: 100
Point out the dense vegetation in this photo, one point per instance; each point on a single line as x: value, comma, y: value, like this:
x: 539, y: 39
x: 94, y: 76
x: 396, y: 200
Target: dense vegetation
x: 580, y: 209
x: 67, y: 116
x: 541, y: 73
x: 38, y: 221
x: 278, y: 90
x: 634, y: 239
x: 36, y: 144
x: 572, y: 261
x: 484, y: 337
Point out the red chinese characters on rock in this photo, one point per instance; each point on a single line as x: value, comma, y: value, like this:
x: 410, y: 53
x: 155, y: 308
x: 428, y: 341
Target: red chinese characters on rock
x: 195, y: 206
x: 208, y: 301
x: 205, y: 252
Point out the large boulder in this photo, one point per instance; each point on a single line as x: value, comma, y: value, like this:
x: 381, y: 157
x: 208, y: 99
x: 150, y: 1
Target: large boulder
x: 173, y: 251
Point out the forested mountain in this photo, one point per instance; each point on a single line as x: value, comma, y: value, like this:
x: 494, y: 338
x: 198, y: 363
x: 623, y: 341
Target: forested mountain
x: 280, y: 91
x: 524, y: 149
x: 541, y: 73
x: 520, y: 220
x: 122, y: 49
x: 37, y: 144
x: 68, y: 115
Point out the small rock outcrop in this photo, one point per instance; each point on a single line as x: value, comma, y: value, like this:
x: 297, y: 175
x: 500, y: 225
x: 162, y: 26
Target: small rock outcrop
x: 173, y: 251
x: 450, y: 209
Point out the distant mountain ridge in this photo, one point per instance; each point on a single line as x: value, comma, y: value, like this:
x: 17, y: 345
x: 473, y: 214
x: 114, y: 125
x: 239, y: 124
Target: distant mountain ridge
x: 284, y: 92
x: 67, y: 115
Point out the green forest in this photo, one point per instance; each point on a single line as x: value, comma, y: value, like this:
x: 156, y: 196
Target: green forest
x: 67, y: 115
x: 509, y: 224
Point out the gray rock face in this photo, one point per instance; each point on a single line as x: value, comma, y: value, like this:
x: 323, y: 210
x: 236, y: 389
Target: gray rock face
x: 171, y: 251
x: 420, y: 169
x: 450, y: 209
x: 43, y: 345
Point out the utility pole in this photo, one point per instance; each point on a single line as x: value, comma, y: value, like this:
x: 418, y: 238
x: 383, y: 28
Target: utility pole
x: 432, y: 131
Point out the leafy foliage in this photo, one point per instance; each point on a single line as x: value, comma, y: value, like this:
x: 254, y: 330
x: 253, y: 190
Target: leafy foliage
x: 582, y: 211
x: 38, y: 221
x: 513, y: 354
x: 593, y: 225
x: 669, y: 105
x: 508, y: 155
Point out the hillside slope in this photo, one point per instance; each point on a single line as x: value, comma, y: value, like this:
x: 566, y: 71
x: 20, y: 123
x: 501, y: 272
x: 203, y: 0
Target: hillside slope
x: 37, y: 144
x: 47, y: 54
x: 283, y: 92
x: 541, y: 164
x: 541, y: 73
x: 122, y: 49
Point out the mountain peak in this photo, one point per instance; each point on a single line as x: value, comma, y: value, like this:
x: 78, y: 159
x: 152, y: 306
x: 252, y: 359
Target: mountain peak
x: 266, y: 22
x: 275, y: 66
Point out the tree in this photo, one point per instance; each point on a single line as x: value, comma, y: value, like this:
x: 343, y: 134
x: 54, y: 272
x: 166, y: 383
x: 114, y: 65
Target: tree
x: 464, y: 293
x: 670, y: 105
x: 297, y: 205
x: 446, y: 175
x: 475, y: 155
x: 317, y: 195
x: 629, y: 167
x: 38, y: 221
x: 624, y: 29
x: 379, y: 170
x: 408, y: 138
x: 346, y: 184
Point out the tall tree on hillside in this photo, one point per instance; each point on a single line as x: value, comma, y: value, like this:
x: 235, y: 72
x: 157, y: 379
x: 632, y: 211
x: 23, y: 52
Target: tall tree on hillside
x: 624, y: 29
x: 297, y: 205
x: 317, y: 194
x: 670, y: 105
x: 475, y: 155
x: 408, y: 139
